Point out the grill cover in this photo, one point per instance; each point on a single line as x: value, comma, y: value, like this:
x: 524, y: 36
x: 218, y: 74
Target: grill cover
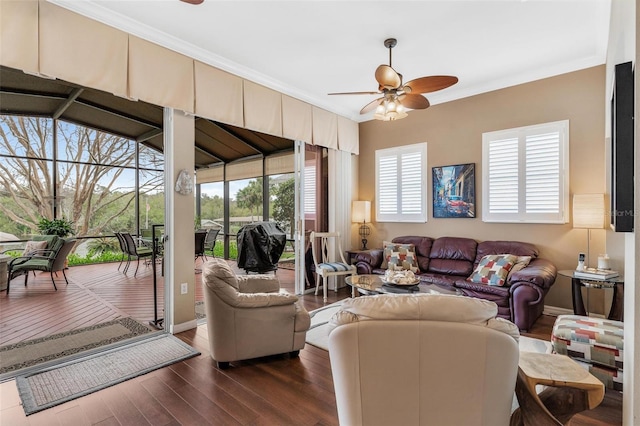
x: 260, y: 245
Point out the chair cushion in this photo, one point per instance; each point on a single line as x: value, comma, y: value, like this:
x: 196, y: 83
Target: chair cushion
x: 493, y: 269
x: 334, y: 267
x: 593, y: 340
x: 36, y: 263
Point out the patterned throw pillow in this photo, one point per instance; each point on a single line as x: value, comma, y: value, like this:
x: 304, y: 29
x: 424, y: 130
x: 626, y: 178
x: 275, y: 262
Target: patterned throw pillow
x: 521, y: 262
x: 493, y: 269
x: 32, y: 246
x: 400, y: 256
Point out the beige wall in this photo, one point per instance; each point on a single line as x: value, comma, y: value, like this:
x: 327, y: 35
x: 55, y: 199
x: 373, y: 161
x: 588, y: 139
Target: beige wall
x: 453, y: 132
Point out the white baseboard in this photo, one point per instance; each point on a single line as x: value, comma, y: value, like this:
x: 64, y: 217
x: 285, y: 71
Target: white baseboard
x: 555, y: 311
x: 179, y: 328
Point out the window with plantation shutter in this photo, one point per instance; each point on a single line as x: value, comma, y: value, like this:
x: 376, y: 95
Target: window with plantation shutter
x: 525, y: 175
x: 401, y: 184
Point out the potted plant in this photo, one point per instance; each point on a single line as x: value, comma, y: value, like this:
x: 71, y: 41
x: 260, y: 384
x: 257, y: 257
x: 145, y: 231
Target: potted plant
x: 60, y: 227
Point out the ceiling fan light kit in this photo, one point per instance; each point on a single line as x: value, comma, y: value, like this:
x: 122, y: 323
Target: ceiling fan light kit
x: 397, y: 98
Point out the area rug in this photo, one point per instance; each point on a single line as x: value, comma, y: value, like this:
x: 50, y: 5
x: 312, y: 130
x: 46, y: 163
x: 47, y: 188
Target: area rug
x: 31, y: 352
x: 53, y: 386
x: 318, y: 333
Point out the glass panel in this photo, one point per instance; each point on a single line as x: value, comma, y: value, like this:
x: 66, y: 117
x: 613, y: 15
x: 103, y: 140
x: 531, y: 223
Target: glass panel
x: 151, y: 199
x: 282, y: 201
x: 26, y: 136
x: 82, y: 144
x: 150, y: 158
x: 98, y: 199
x: 212, y: 206
x: 246, y: 203
x: 25, y: 195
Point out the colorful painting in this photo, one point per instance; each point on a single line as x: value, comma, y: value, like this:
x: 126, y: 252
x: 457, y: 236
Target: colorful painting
x: 454, y: 191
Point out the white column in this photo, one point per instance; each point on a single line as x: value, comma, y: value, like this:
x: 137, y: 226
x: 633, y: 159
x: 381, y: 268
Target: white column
x: 341, y: 182
x: 179, y: 134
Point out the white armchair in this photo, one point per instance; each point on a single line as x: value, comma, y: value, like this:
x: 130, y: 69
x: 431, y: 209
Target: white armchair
x: 248, y: 318
x: 423, y: 360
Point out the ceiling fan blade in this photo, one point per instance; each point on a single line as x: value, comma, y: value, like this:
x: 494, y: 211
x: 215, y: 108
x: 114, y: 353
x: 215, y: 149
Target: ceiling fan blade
x: 414, y: 101
x: 354, y: 93
x: 193, y: 1
x: 387, y: 77
x: 430, y: 84
x: 371, y: 106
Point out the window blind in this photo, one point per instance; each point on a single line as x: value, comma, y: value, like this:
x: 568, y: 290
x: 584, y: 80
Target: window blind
x: 525, y: 174
x: 401, y: 184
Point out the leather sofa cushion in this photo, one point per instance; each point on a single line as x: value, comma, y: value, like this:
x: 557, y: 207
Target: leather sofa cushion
x: 453, y: 256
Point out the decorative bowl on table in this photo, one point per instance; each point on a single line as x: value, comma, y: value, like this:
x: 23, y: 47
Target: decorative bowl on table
x: 402, y: 277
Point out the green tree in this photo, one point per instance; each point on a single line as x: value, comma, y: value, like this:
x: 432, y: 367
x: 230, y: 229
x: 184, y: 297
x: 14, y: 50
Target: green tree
x: 284, y: 204
x: 250, y: 197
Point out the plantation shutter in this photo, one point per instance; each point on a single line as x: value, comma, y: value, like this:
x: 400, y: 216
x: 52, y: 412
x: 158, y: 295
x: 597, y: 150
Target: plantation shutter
x: 525, y: 174
x: 401, y: 184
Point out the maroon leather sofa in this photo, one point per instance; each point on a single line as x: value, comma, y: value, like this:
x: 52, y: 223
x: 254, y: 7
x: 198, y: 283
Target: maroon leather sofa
x: 448, y: 261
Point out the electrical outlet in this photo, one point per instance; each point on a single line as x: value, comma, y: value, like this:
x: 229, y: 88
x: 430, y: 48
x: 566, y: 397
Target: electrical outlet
x: 184, y: 288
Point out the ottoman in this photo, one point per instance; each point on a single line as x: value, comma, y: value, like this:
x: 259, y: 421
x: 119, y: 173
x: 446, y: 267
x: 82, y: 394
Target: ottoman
x: 595, y: 343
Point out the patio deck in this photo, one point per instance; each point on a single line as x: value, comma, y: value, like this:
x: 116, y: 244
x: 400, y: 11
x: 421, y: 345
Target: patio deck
x: 97, y: 294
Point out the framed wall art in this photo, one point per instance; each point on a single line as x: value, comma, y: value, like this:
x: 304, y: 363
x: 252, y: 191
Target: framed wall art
x: 454, y: 191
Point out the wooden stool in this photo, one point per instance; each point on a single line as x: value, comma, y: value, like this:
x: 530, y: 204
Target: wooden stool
x: 571, y: 389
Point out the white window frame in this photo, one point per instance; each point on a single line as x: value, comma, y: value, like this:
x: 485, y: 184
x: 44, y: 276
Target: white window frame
x: 418, y: 172
x: 522, y: 134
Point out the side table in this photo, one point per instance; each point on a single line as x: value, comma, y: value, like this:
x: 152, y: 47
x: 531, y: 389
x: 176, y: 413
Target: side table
x: 571, y: 389
x: 616, y: 311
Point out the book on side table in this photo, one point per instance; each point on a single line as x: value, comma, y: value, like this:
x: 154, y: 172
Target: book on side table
x: 596, y: 274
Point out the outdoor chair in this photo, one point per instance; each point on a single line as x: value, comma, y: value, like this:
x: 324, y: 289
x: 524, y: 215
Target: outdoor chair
x: 325, y: 263
x: 42, y: 260
x: 210, y: 241
x: 123, y: 247
x: 133, y: 251
x: 200, y: 238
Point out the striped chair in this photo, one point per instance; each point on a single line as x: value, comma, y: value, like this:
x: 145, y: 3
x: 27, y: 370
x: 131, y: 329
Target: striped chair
x: 323, y: 247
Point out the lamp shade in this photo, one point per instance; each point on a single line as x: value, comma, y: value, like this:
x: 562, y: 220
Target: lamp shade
x: 361, y: 211
x: 588, y: 211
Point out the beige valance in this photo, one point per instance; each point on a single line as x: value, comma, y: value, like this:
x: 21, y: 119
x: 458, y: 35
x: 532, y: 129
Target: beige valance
x: 77, y: 49
x: 297, y: 119
x: 262, y: 109
x: 41, y: 38
x: 19, y: 35
x: 325, y: 128
x: 160, y: 76
x: 218, y: 95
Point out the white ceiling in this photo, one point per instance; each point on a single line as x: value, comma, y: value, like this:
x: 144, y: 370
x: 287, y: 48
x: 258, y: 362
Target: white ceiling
x: 307, y: 49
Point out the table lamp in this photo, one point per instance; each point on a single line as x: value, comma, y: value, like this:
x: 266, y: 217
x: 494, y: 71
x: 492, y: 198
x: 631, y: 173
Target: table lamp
x: 588, y: 212
x: 361, y: 213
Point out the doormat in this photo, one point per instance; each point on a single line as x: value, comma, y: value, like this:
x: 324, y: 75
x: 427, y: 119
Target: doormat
x: 53, y: 386
x: 36, y: 351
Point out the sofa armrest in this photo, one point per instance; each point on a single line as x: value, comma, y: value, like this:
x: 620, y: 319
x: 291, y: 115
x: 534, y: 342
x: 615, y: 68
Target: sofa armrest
x: 260, y: 283
x: 368, y: 261
x: 539, y: 272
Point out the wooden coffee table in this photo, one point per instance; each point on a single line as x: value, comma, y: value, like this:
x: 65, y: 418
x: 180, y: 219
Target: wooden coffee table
x: 373, y: 284
x: 571, y: 389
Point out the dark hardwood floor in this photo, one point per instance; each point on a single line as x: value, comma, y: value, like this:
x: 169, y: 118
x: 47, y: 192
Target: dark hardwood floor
x: 275, y: 390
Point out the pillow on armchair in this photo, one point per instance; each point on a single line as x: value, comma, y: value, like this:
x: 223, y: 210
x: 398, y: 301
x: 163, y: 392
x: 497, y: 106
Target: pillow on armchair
x: 32, y: 246
x: 399, y: 256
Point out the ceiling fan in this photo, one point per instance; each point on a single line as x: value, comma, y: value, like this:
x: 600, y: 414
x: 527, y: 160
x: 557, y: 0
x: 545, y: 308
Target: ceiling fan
x: 396, y: 96
x: 193, y: 1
